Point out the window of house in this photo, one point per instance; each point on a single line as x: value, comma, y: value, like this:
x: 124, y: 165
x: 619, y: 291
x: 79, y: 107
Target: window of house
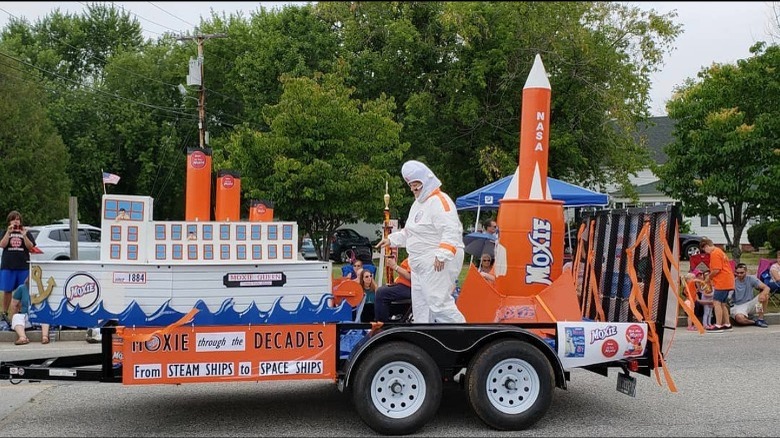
x: 709, y: 220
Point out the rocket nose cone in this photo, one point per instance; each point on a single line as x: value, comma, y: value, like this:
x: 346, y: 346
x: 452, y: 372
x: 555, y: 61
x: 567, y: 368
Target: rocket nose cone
x: 537, y: 78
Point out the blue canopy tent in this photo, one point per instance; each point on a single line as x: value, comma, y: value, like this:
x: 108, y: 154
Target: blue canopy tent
x: 572, y: 196
x: 488, y: 196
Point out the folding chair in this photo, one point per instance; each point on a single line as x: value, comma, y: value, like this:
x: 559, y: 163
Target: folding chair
x: 763, y: 274
x: 697, y: 259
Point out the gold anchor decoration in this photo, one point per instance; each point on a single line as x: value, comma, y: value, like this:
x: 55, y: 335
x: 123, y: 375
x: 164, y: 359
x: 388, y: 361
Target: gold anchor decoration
x: 37, y: 276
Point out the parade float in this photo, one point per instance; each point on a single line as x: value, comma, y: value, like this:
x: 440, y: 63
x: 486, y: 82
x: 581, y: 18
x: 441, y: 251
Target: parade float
x: 225, y: 300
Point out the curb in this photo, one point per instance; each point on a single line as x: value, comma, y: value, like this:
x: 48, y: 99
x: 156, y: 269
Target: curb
x: 54, y: 335
x: 770, y: 318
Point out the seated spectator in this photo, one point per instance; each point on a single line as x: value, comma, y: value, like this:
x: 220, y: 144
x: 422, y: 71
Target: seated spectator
x: 774, y: 274
x: 486, y: 269
x: 20, y: 302
x: 400, y: 290
x: 745, y: 304
x: 490, y: 226
x: 368, y: 284
x: 357, y: 266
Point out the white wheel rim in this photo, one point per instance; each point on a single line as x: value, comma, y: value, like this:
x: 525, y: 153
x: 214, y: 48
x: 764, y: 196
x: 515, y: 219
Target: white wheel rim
x: 512, y: 386
x: 398, y: 389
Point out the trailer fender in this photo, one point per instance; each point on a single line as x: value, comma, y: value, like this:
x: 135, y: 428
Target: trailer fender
x: 451, y: 346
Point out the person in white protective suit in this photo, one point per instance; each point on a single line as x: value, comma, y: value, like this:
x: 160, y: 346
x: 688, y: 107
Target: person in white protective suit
x: 433, y: 237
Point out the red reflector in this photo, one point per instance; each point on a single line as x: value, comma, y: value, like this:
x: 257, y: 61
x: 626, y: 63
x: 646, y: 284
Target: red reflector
x: 633, y: 365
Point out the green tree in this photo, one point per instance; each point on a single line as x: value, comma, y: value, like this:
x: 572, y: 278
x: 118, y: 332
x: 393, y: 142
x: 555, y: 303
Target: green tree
x: 114, y: 101
x: 326, y: 158
x: 457, y: 70
x: 245, y: 67
x: 35, y: 160
x: 724, y: 158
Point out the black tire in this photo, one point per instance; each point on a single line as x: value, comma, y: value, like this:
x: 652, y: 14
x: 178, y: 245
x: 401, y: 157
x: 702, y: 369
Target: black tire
x: 689, y: 250
x: 493, y: 386
x: 346, y: 256
x: 397, y: 388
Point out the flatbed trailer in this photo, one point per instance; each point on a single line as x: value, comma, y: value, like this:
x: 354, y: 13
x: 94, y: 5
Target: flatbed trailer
x: 394, y: 373
x: 614, y: 307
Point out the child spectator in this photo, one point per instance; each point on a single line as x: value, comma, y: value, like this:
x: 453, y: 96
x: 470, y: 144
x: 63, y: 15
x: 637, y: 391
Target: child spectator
x: 707, y: 301
x: 699, y: 297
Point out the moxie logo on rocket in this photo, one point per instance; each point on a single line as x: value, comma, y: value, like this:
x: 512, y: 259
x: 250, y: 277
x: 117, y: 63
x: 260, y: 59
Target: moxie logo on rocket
x: 542, y: 259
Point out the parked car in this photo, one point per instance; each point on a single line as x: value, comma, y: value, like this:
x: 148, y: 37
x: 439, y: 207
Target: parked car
x: 346, y: 243
x: 689, y: 245
x: 54, y: 241
x: 308, y: 252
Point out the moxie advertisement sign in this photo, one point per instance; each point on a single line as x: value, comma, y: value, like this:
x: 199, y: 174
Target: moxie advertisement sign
x: 228, y: 353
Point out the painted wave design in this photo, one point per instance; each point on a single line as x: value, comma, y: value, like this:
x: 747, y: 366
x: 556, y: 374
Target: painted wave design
x: 307, y: 311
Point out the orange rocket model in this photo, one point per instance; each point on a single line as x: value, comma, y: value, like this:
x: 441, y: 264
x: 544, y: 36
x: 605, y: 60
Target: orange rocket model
x: 529, y: 283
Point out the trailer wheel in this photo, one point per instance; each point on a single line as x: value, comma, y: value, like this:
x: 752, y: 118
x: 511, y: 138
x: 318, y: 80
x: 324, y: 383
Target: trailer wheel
x: 510, y: 385
x: 397, y: 388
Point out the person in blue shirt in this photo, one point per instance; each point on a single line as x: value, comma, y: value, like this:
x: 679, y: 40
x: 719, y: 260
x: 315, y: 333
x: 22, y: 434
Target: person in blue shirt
x: 20, y: 303
x: 746, y: 304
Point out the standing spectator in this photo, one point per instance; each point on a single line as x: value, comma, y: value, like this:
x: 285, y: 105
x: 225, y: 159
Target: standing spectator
x: 745, y: 304
x: 490, y: 226
x: 16, y: 243
x: 721, y: 280
x: 400, y: 290
x: 433, y: 237
x: 366, y: 280
x: 21, y: 319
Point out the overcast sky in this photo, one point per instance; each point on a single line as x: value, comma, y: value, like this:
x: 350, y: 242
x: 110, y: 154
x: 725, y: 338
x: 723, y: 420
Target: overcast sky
x: 713, y: 32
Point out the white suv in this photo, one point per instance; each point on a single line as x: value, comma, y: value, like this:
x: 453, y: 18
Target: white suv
x: 54, y: 241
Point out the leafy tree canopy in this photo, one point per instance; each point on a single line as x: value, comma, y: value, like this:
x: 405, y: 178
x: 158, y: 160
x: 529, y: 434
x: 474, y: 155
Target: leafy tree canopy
x: 33, y: 174
x: 326, y: 158
x: 724, y: 159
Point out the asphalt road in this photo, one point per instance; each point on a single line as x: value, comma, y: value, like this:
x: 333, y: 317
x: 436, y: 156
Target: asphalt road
x: 727, y: 386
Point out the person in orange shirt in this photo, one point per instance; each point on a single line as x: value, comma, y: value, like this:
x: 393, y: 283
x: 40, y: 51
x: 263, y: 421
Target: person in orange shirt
x: 400, y: 290
x: 721, y: 279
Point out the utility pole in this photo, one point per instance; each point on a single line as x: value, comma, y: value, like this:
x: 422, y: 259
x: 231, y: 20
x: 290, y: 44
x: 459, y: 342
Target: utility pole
x: 200, y: 39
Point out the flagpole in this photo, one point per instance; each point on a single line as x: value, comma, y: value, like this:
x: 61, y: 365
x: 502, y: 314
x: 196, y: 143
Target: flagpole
x: 104, y: 182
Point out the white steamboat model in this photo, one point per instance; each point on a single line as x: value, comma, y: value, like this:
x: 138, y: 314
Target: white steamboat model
x: 151, y: 273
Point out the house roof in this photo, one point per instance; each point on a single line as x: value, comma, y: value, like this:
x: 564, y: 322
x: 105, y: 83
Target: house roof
x: 658, y: 133
x: 648, y: 189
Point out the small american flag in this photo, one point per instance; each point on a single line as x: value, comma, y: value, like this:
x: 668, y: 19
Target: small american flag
x: 110, y: 178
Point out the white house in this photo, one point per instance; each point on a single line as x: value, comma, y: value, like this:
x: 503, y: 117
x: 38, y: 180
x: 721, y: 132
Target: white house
x: 658, y: 133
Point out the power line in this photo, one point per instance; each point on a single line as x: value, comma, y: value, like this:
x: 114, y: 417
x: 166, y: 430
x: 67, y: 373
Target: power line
x: 115, y: 96
x: 147, y: 77
x: 174, y: 16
